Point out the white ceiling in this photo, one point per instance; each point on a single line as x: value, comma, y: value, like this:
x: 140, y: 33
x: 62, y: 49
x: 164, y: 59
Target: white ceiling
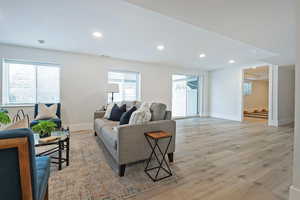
x: 130, y: 32
x: 266, y: 24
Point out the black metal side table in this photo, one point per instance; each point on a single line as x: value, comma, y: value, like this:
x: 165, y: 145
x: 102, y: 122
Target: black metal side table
x: 156, y: 137
x: 62, y: 143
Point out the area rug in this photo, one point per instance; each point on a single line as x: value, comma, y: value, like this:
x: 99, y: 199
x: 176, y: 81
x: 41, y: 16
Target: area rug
x: 92, y: 174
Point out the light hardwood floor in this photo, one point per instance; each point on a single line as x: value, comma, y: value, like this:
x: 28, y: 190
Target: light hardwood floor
x: 225, y: 160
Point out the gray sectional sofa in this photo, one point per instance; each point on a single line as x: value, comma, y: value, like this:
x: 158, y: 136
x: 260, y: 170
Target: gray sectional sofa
x: 127, y: 143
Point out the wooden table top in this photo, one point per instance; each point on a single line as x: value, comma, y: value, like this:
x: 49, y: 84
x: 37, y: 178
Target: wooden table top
x: 158, y: 135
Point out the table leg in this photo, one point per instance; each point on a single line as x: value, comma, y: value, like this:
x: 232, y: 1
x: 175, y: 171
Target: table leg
x: 68, y: 150
x: 60, y: 146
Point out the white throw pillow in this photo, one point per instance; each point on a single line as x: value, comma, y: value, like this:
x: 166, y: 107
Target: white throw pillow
x: 141, y: 115
x: 46, y: 112
x: 108, y: 110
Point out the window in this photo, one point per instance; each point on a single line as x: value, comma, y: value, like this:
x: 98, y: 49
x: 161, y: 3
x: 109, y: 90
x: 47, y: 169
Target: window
x: 129, y: 85
x: 30, y: 83
x: 185, y: 91
x: 247, y: 88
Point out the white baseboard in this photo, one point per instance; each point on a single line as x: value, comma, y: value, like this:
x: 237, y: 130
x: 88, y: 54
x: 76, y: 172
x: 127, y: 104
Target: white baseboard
x: 225, y: 116
x: 205, y: 114
x: 285, y: 122
x: 273, y: 123
x: 294, y: 193
x: 281, y: 122
x: 81, y: 126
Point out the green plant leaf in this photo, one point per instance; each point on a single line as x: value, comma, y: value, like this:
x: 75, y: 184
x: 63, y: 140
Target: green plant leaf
x: 44, y: 127
x: 4, y: 118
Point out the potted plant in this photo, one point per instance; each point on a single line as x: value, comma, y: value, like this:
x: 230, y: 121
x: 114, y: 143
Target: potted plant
x: 44, y: 128
x: 4, y: 118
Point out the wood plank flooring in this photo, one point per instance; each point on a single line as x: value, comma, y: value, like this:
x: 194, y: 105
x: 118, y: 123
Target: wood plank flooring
x: 225, y: 160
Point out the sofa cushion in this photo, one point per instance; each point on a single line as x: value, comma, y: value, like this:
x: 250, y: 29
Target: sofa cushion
x: 43, y: 173
x: 117, y: 112
x: 158, y: 111
x: 126, y: 116
x: 110, y: 136
x: 100, y: 122
x: 130, y: 104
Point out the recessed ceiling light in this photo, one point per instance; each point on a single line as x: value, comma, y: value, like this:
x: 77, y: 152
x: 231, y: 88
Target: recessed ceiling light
x: 231, y: 61
x: 97, y: 35
x: 160, y: 47
x: 202, y: 55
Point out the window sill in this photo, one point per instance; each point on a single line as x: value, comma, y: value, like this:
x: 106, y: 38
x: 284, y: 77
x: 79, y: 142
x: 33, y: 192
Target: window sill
x: 16, y: 106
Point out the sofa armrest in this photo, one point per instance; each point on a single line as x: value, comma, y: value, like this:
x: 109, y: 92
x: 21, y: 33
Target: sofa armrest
x: 132, y: 144
x: 99, y: 114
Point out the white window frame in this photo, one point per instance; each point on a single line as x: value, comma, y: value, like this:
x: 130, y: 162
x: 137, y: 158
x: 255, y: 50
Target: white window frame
x: 138, y: 88
x: 5, y: 81
x: 247, y: 91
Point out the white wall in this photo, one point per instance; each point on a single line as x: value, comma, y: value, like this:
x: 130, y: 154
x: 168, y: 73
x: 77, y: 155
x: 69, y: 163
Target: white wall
x: 84, y: 77
x: 286, y: 94
x: 259, y: 98
x: 295, y: 188
x: 225, y: 93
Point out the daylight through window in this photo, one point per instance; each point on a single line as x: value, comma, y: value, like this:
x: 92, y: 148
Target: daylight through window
x: 30, y: 83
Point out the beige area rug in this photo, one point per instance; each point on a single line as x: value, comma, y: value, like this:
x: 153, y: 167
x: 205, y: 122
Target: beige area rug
x: 92, y: 175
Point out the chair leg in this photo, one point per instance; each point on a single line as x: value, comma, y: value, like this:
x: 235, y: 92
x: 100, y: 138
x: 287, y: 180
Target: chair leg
x: 47, y: 194
x: 171, y: 157
x: 122, y: 170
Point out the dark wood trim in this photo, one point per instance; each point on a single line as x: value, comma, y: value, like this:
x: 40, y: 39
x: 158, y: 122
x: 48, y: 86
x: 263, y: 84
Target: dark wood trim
x: 171, y: 157
x: 24, y: 163
x: 122, y: 170
x: 47, y: 194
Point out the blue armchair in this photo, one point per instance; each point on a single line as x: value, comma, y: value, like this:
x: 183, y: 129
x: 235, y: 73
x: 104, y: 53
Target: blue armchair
x: 56, y: 121
x: 23, y: 175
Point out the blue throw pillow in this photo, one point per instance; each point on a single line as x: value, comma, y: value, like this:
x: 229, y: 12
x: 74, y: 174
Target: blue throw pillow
x: 117, y: 112
x: 126, y: 116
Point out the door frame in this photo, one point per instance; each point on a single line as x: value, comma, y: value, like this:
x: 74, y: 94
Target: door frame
x: 199, y: 106
x: 272, y: 82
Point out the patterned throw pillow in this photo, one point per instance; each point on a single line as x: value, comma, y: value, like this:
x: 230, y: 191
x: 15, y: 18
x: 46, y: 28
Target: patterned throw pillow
x: 23, y: 123
x: 108, y: 110
x: 141, y: 115
x: 46, y: 112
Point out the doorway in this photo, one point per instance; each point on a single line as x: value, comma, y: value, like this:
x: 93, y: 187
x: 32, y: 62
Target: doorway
x: 256, y: 94
x: 185, y: 92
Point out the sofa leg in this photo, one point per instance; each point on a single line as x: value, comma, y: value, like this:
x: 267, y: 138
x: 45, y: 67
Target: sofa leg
x: 95, y: 133
x: 171, y: 157
x: 47, y: 194
x: 122, y: 170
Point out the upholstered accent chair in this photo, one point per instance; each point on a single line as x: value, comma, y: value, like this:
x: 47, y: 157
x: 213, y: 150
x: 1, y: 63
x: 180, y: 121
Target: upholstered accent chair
x: 23, y: 175
x: 57, y: 121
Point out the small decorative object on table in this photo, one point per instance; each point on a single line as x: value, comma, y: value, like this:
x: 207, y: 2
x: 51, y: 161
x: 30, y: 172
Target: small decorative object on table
x: 44, y: 128
x: 156, y: 136
x: 59, y: 142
